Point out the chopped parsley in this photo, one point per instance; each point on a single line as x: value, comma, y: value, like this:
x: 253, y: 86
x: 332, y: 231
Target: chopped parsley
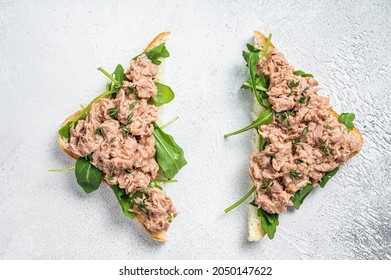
x: 113, y: 112
x: 293, y: 84
x: 132, y: 105
x: 99, y: 130
x: 295, y: 174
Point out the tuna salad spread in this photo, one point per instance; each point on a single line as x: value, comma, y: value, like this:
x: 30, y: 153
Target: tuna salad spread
x: 302, y: 141
x: 116, y: 140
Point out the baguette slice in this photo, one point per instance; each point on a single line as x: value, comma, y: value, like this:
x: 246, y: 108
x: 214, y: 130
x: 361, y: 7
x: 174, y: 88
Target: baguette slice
x: 254, y: 230
x: 158, y: 236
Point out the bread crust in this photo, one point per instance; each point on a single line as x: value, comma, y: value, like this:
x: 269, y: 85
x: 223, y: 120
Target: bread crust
x: 255, y: 232
x: 158, y: 236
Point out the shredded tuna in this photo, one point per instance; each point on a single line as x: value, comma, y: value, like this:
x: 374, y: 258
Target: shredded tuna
x: 159, y: 209
x: 141, y: 72
x: 303, y: 142
x: 118, y: 134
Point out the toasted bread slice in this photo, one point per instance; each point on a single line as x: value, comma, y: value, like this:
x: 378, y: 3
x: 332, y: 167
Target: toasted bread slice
x: 158, y: 236
x: 254, y: 230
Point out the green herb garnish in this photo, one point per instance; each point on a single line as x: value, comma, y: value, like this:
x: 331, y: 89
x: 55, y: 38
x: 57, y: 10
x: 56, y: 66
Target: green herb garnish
x: 269, y: 222
x: 302, y: 99
x: 126, y: 130
x: 164, y: 95
x: 88, y: 176
x: 284, y: 116
x: 129, y: 117
x: 327, y: 150
x: 99, y: 130
x: 266, y: 185
x: 169, y: 218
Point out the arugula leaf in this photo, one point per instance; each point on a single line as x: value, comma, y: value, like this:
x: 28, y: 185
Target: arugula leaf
x: 299, y: 196
x: 252, y: 58
x: 302, y: 73
x: 261, y: 144
x: 265, y: 117
x: 240, y: 201
x: 164, y: 95
x: 157, y: 52
x: 285, y: 115
x: 295, y: 174
x: 88, y: 176
x: 65, y: 131
x: 119, y: 76
x: 347, y: 119
x: 327, y: 176
x: 293, y: 84
x: 124, y: 200
x: 169, y: 155
x: 269, y: 222
x: 112, y: 112
x: 257, y: 84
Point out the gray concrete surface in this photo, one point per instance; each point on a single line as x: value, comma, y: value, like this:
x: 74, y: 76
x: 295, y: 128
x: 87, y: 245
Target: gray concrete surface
x: 48, y: 59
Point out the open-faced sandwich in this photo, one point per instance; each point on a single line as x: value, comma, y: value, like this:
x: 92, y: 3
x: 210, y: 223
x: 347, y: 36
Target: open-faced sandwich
x: 115, y: 138
x: 299, y: 141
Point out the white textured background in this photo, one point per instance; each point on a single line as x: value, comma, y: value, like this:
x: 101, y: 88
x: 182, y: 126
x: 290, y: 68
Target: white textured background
x: 48, y: 59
